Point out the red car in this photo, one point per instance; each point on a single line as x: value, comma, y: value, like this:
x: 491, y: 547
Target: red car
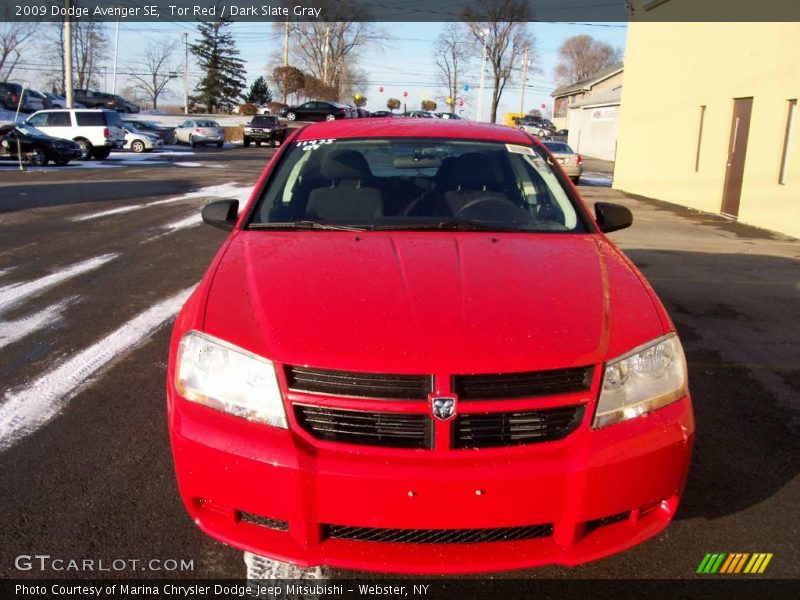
x: 418, y: 352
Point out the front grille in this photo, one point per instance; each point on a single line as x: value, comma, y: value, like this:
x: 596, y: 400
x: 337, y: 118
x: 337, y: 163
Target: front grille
x: 397, y: 430
x: 487, y: 430
x: 366, y: 385
x: 437, y: 536
x: 522, y: 385
x: 261, y: 521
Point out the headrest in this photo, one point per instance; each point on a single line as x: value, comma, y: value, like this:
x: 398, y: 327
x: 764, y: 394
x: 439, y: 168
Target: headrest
x: 471, y: 171
x: 345, y: 164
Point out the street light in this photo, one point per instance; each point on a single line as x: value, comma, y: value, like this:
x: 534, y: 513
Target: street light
x: 484, y: 33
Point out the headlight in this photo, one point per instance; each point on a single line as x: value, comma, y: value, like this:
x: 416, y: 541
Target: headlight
x: 647, y: 378
x: 222, y: 376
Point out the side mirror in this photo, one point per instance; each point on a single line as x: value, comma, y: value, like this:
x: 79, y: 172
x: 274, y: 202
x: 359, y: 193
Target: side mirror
x: 612, y: 217
x: 222, y: 213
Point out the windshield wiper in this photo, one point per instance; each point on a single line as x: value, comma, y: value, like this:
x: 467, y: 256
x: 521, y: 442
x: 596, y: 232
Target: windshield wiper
x: 449, y: 225
x: 305, y: 225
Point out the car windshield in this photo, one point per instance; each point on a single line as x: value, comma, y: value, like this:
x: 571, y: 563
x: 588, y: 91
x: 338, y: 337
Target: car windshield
x: 402, y: 183
x: 265, y: 121
x: 28, y: 131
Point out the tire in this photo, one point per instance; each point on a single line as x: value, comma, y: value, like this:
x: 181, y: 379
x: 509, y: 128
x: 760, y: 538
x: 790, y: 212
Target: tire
x: 138, y: 146
x: 60, y: 163
x: 330, y: 117
x: 219, y: 144
x: 86, y: 149
x: 38, y: 158
x: 101, y: 153
x: 290, y: 116
x: 246, y: 142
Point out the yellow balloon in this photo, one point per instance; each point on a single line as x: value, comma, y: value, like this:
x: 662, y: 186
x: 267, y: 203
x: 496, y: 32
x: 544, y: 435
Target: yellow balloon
x: 449, y: 100
x: 358, y: 96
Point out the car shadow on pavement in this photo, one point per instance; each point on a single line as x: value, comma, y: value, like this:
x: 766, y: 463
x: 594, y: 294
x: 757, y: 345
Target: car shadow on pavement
x: 21, y: 197
x: 737, y: 315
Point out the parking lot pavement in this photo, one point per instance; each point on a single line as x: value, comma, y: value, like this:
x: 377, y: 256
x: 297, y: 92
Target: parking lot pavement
x: 94, y: 263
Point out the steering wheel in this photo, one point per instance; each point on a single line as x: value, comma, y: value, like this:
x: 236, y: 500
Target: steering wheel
x: 493, y: 210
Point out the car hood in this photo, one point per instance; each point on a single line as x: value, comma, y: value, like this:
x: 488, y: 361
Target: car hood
x: 419, y: 302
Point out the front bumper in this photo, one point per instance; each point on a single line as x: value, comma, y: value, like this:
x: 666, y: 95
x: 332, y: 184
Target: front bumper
x: 273, y: 492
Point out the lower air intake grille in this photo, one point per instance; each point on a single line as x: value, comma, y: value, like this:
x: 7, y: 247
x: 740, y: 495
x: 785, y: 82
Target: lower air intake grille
x: 513, y: 428
x: 522, y: 385
x: 437, y: 536
x: 397, y: 430
x: 366, y: 385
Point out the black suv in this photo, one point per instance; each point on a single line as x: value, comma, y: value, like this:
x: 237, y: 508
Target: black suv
x: 264, y: 128
x: 9, y: 97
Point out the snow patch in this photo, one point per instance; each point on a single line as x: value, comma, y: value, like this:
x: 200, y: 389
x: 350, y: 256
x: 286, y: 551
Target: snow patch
x: 13, y: 331
x: 25, y: 410
x: 11, y: 295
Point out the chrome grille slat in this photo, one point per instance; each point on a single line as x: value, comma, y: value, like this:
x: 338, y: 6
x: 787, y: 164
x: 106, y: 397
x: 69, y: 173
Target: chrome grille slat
x: 365, y: 385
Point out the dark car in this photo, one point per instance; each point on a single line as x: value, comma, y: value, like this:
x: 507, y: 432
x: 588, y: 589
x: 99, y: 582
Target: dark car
x: 163, y: 131
x: 10, y: 94
x: 264, y: 128
x: 418, y: 114
x: 381, y: 113
x: 125, y: 106
x: 318, y: 110
x: 92, y: 99
x: 36, y: 147
x: 363, y: 113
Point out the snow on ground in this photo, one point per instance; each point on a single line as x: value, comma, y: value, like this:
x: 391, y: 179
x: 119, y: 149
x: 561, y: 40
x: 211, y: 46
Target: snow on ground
x: 596, y: 178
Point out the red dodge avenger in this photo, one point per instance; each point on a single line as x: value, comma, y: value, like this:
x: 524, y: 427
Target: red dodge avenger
x: 418, y: 352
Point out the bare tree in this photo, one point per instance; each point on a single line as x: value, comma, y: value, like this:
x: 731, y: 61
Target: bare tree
x: 581, y: 56
x: 90, y: 45
x: 157, y: 70
x: 502, y: 26
x: 14, y: 37
x: 451, y: 56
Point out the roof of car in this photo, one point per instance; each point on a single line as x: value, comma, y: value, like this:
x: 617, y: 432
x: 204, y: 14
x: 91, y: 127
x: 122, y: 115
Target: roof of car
x: 400, y: 127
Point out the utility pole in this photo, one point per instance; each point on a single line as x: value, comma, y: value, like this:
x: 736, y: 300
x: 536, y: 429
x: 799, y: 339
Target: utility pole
x: 186, y: 72
x: 68, y: 55
x: 524, y: 77
x: 116, y: 52
x: 327, y: 51
x: 286, y: 44
x: 483, y: 76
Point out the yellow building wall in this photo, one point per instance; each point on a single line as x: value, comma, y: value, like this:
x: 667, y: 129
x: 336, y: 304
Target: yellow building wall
x: 671, y: 70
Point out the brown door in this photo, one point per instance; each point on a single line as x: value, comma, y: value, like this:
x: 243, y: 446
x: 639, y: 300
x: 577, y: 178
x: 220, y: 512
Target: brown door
x: 737, y: 150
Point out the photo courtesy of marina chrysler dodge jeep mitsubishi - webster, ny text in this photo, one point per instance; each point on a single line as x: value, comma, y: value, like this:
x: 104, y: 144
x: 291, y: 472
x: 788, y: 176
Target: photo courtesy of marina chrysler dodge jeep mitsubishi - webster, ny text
x: 417, y: 351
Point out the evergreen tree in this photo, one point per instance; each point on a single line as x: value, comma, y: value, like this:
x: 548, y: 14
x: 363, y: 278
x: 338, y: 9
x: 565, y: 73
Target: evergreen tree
x: 224, y: 74
x: 259, y: 93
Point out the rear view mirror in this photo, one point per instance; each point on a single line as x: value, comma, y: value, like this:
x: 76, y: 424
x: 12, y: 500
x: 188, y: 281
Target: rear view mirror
x: 612, y: 217
x: 222, y: 213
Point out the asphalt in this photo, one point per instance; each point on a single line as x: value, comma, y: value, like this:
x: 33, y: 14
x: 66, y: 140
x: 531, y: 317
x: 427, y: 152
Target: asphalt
x: 97, y: 481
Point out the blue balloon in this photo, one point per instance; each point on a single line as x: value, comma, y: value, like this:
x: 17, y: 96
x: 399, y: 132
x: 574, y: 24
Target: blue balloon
x: 466, y: 87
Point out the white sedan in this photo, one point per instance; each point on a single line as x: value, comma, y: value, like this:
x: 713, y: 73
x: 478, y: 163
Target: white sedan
x: 141, y: 141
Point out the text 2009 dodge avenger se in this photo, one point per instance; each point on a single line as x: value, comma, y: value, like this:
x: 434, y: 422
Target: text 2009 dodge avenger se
x: 418, y: 352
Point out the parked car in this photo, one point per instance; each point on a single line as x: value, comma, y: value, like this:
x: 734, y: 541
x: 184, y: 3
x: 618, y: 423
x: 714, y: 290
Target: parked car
x: 418, y: 114
x: 41, y: 97
x: 362, y: 113
x: 381, y: 113
x: 36, y: 148
x: 57, y: 101
x: 318, y: 111
x: 165, y: 132
x: 125, y: 106
x: 10, y: 94
x: 141, y: 141
x: 200, y: 131
x: 97, y: 131
x: 448, y: 115
x: 92, y: 99
x: 570, y: 161
x: 537, y: 126
x: 426, y: 339
x: 264, y: 128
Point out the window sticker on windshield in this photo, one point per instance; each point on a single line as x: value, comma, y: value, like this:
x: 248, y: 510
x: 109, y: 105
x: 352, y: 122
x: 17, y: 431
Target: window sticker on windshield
x: 516, y: 149
x: 314, y: 144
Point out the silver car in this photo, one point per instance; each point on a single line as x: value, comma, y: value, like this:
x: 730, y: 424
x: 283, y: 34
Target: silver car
x: 141, y: 141
x: 200, y: 131
x: 571, y: 162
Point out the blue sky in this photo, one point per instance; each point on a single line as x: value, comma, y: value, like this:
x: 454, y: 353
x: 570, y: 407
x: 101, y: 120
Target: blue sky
x: 404, y: 65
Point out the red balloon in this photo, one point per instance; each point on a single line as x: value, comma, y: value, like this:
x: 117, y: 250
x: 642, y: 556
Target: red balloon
x: 461, y: 103
x: 380, y: 89
x: 544, y: 105
x: 405, y: 94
